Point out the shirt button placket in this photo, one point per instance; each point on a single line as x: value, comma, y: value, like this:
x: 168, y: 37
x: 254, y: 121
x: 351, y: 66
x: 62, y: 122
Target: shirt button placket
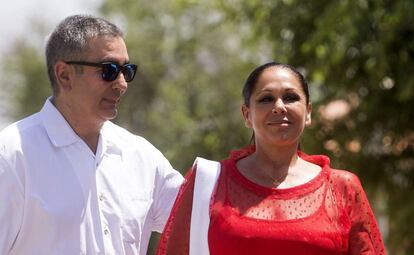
x: 107, y: 240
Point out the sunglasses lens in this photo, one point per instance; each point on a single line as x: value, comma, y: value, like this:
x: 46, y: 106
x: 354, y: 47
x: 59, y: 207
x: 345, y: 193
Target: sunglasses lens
x: 129, y: 72
x: 110, y: 71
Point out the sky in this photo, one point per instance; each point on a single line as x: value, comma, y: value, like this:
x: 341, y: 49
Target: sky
x: 17, y: 21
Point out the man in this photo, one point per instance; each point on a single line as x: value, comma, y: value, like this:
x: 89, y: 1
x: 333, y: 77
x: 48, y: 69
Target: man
x: 71, y: 181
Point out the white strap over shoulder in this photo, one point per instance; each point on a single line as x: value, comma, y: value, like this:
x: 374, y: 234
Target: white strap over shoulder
x: 207, y: 173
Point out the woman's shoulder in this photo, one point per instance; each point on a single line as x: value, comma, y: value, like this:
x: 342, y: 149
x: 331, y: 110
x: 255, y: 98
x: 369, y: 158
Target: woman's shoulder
x: 343, y: 175
x: 337, y: 176
x: 345, y: 180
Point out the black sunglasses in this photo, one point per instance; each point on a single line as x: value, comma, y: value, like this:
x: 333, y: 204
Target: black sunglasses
x: 110, y: 70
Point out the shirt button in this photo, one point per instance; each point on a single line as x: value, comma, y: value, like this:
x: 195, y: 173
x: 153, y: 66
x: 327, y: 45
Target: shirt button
x: 106, y: 232
x: 101, y: 197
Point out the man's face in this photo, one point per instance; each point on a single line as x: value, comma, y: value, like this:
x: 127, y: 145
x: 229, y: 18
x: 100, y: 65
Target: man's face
x: 90, y: 97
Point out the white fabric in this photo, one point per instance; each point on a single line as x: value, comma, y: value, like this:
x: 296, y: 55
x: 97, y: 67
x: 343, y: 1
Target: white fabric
x: 57, y: 197
x: 207, y: 173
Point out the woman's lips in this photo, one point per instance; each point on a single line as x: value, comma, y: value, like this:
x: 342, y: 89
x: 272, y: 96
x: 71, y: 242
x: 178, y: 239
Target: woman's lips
x: 279, y: 123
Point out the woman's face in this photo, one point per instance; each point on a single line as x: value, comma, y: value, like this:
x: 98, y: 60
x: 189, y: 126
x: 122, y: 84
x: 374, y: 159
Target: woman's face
x: 277, y: 111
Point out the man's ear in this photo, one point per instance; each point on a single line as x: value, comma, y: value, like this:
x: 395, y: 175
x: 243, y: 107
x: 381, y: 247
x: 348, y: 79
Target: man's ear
x: 308, y: 119
x: 63, y: 73
x: 246, y: 115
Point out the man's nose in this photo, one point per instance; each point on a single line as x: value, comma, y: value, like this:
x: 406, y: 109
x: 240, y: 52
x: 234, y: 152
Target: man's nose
x: 120, y: 83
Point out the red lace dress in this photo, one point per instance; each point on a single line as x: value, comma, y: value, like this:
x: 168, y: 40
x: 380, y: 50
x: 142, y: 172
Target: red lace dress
x: 328, y: 215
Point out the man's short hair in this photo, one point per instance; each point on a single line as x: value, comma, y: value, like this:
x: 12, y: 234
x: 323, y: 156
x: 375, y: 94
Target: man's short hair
x: 70, y: 39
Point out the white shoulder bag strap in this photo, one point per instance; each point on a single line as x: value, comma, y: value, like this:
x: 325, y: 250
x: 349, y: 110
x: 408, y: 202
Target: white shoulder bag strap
x: 207, y: 173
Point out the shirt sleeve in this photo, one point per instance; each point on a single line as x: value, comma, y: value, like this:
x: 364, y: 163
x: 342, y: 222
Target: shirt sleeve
x: 167, y: 187
x: 176, y: 236
x: 364, y: 236
x: 11, y: 206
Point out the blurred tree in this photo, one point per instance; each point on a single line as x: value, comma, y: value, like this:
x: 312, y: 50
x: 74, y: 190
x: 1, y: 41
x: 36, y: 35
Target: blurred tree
x: 194, y: 56
x: 187, y: 95
x: 25, y: 81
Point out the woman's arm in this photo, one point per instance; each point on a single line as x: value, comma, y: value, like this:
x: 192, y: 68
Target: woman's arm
x: 176, y: 235
x: 364, y: 236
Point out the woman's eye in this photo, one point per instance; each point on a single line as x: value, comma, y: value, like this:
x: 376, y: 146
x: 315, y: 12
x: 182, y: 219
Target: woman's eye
x: 291, y: 98
x: 265, y: 99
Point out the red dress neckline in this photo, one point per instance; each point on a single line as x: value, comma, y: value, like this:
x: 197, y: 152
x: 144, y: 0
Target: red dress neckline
x: 291, y: 192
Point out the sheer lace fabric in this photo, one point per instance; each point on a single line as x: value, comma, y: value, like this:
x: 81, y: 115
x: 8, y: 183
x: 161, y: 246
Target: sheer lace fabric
x: 328, y: 215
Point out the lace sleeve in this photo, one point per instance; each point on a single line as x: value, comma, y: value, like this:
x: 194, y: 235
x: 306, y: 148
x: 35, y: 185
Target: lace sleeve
x: 176, y: 235
x: 364, y: 236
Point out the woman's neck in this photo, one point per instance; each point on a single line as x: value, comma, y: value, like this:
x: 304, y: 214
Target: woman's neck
x: 275, y: 158
x: 269, y: 166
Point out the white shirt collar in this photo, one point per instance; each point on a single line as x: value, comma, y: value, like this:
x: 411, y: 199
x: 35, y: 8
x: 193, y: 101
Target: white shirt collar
x: 109, y: 141
x: 61, y: 133
x: 58, y: 129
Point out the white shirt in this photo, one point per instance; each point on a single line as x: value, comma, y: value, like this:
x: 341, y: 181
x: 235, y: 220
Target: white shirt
x: 58, y: 197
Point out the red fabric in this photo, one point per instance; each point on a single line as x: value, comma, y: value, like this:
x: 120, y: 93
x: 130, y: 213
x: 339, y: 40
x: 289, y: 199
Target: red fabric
x: 328, y: 215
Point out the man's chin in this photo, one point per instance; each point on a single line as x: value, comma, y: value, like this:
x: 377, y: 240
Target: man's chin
x: 110, y: 114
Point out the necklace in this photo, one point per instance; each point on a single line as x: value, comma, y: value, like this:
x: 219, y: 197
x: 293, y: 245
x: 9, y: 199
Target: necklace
x: 269, y: 179
x: 268, y: 175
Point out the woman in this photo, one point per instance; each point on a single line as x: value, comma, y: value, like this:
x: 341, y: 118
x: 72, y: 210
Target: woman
x: 270, y: 197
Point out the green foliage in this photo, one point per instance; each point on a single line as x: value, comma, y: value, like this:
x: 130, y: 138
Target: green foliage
x: 25, y: 80
x: 187, y: 96
x: 194, y: 56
